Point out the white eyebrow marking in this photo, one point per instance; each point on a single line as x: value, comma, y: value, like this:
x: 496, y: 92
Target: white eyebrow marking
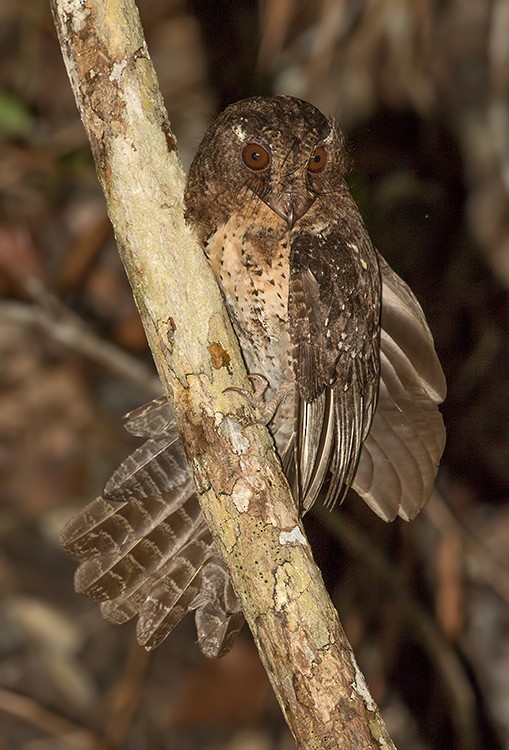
x: 240, y: 132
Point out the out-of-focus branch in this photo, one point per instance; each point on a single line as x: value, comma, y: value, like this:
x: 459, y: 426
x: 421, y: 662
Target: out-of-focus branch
x: 244, y: 495
x: 74, y: 335
x: 51, y: 316
x: 33, y: 713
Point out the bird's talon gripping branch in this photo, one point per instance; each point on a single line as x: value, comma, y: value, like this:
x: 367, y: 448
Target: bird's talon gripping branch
x: 254, y: 397
x: 266, y: 409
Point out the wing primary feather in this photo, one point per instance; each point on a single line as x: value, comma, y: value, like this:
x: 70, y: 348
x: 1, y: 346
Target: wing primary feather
x: 172, y: 596
x: 152, y: 419
x: 108, y: 576
x: 324, y: 450
x: 311, y: 438
x: 218, y: 613
x: 400, y: 456
x: 167, y: 468
x: 132, y: 601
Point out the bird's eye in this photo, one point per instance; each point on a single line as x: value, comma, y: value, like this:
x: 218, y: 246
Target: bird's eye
x: 318, y: 160
x: 255, y: 157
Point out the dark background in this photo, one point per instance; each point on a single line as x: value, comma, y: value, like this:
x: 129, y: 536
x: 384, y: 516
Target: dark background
x: 421, y: 89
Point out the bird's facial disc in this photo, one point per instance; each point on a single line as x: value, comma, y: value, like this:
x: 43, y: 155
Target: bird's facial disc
x: 291, y: 196
x: 284, y: 174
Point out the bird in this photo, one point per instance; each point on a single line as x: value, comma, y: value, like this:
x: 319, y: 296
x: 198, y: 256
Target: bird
x: 348, y: 379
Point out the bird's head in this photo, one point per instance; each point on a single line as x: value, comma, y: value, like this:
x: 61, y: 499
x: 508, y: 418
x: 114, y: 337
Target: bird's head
x: 280, y: 150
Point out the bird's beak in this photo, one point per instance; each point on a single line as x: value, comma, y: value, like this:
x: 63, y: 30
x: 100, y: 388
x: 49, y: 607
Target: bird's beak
x: 290, y: 206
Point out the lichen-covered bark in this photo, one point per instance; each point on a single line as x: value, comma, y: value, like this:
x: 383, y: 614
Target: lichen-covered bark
x: 244, y: 495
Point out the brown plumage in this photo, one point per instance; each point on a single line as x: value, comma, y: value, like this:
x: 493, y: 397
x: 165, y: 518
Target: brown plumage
x: 339, y: 338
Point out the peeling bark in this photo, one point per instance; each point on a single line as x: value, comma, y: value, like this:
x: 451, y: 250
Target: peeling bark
x: 244, y: 495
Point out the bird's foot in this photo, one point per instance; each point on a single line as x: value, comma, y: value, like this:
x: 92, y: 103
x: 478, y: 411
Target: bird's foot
x: 265, y: 409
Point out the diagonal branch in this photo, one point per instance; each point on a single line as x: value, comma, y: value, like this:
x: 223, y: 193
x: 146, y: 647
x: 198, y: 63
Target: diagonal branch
x: 244, y: 495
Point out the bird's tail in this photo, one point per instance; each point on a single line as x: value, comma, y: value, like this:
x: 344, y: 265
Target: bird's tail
x: 144, y: 548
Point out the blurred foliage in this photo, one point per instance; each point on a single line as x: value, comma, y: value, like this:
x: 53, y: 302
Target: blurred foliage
x: 15, y: 118
x: 421, y: 89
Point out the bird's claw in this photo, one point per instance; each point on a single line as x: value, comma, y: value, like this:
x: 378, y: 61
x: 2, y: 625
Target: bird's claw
x: 255, y: 397
x: 266, y: 409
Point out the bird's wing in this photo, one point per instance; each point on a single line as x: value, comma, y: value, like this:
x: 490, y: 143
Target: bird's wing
x: 151, y: 419
x: 400, y: 456
x: 334, y: 319
x: 144, y: 548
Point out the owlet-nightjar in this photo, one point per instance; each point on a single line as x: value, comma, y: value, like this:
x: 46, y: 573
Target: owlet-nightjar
x: 341, y: 343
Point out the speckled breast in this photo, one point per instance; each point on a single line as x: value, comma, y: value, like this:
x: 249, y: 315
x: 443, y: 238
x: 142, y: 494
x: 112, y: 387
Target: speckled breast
x: 252, y: 268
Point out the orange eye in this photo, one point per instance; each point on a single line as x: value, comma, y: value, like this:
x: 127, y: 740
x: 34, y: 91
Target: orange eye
x: 255, y: 157
x: 318, y: 160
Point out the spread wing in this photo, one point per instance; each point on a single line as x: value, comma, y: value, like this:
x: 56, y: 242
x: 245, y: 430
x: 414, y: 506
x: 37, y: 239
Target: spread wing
x: 144, y: 548
x: 400, y: 456
x: 334, y: 322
